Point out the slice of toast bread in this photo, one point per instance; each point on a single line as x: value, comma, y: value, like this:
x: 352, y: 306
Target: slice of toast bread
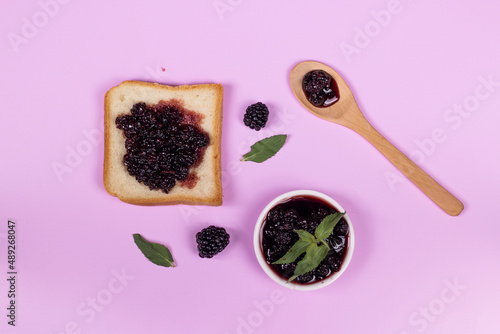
x: 204, y: 99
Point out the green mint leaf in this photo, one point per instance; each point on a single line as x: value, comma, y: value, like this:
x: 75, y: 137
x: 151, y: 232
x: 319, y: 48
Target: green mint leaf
x: 265, y: 148
x: 306, y: 236
x: 156, y: 253
x: 297, y: 249
x: 314, y: 255
x: 326, y: 226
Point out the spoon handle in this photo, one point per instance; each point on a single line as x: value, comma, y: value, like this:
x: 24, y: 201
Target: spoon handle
x: 442, y: 197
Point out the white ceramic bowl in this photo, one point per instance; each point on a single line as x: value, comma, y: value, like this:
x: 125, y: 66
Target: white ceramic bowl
x: 260, y: 255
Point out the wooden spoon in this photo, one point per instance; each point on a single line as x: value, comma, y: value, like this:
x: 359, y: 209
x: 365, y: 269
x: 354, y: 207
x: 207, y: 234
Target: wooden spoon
x: 347, y: 113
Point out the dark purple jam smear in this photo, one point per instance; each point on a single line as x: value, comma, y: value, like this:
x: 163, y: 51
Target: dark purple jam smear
x: 305, y: 213
x: 320, y: 88
x: 163, y: 142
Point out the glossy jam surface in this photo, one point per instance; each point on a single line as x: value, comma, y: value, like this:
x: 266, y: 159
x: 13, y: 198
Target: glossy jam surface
x: 320, y: 88
x: 306, y: 213
x: 163, y: 141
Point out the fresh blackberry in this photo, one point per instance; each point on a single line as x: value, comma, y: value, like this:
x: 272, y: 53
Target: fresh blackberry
x: 256, y: 116
x: 211, y: 241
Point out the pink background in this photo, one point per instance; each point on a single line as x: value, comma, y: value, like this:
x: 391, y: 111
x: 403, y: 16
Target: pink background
x: 414, y: 270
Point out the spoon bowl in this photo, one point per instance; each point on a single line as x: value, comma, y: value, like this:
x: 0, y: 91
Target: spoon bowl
x: 346, y: 112
x: 339, y: 111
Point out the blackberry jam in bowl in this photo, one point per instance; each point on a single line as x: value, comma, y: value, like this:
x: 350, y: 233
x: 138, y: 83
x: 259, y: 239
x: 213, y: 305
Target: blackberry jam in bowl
x: 295, y: 244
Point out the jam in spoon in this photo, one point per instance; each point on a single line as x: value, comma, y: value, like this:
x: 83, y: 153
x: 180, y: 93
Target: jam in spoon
x: 342, y: 109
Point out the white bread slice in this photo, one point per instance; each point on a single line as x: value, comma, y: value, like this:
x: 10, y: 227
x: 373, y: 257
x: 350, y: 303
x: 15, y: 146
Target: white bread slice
x: 205, y: 99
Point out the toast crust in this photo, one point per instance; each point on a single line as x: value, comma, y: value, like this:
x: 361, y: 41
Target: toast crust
x: 119, y: 183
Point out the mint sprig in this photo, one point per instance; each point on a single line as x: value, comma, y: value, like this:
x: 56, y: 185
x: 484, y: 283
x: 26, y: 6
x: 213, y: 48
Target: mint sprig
x: 314, y: 246
x: 156, y: 253
x: 265, y: 148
